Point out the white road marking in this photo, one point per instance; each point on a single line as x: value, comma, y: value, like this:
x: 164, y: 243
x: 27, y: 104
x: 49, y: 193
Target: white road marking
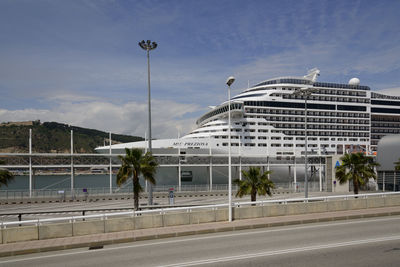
x: 283, y: 251
x: 197, y: 238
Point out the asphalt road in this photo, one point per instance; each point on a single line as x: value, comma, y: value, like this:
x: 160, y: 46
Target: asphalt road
x: 364, y: 242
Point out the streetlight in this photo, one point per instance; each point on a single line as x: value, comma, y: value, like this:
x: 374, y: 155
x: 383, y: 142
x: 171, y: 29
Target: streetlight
x: 306, y: 92
x: 149, y: 46
x: 229, y: 82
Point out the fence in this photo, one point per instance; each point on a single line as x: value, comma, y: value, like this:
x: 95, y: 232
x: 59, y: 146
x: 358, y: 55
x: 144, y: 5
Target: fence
x: 64, y: 194
x: 163, y: 211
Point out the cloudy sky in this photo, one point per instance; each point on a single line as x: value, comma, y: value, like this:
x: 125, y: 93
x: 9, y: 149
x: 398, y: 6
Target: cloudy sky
x: 78, y: 61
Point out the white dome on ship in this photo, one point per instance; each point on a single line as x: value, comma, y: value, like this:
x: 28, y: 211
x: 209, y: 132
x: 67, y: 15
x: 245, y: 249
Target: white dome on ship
x: 354, y: 81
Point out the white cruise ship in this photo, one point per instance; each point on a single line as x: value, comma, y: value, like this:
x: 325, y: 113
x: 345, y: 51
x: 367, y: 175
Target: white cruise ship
x: 269, y: 119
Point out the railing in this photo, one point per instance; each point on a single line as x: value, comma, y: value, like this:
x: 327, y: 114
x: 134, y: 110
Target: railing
x: 118, y: 191
x: 105, y: 216
x: 103, y: 191
x: 313, y: 199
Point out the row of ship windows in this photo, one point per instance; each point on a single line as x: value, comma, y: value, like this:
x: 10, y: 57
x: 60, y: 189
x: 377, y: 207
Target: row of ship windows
x: 317, y: 120
x: 375, y: 130
x: 315, y: 84
x: 386, y: 110
x: 296, y: 105
x: 381, y: 96
x: 385, y: 125
x: 277, y: 138
x: 385, y: 118
x: 384, y: 102
x: 301, y: 126
x: 320, y: 91
x: 325, y: 98
x: 290, y: 138
x: 327, y: 133
x: 280, y: 145
x: 309, y: 113
x: 322, y: 127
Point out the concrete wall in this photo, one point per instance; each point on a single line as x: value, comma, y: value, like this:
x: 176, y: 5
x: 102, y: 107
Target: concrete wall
x: 55, y: 230
x: 93, y: 226
x: 22, y: 233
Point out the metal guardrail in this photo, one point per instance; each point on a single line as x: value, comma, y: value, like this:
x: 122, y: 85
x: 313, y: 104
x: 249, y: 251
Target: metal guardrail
x: 311, y: 199
x: 105, y: 216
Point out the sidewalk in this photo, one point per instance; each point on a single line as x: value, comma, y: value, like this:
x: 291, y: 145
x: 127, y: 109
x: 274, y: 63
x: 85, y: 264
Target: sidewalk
x: 99, y: 240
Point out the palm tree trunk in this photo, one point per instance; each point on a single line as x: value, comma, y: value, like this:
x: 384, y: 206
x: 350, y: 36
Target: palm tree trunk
x: 355, y: 186
x: 135, y: 183
x: 253, y: 195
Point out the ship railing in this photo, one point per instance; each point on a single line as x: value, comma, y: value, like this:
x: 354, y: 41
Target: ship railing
x: 162, y: 211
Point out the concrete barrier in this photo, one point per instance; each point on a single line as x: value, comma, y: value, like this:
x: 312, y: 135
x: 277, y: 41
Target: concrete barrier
x: 274, y: 210
x: 248, y: 212
x: 315, y: 207
x: 296, y: 208
x: 376, y: 202
x: 356, y: 204
x: 392, y: 201
x: 18, y: 234
x: 94, y: 226
x: 337, y: 205
x: 119, y: 224
x: 203, y: 216
x: 47, y: 231
x: 148, y: 221
x: 88, y: 227
x: 172, y: 219
x: 221, y: 215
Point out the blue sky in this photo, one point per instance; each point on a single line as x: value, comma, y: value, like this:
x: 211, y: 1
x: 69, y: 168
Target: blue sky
x: 78, y: 61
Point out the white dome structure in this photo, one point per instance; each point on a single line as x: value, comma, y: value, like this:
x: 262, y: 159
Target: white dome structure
x: 354, y: 81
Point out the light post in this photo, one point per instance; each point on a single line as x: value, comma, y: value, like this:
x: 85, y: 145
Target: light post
x: 306, y: 92
x: 149, y: 46
x: 229, y: 82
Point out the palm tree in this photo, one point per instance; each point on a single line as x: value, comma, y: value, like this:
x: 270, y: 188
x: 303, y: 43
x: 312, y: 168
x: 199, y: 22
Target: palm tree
x: 134, y: 164
x: 356, y: 167
x: 254, y: 182
x: 5, y: 176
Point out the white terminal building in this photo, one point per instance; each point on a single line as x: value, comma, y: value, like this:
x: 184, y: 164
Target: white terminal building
x: 268, y: 130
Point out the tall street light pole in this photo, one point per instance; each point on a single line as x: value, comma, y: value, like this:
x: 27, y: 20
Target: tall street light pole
x: 229, y: 82
x: 306, y: 92
x: 149, y: 46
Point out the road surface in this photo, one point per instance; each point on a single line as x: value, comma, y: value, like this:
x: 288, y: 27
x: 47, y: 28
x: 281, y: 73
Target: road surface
x: 363, y: 242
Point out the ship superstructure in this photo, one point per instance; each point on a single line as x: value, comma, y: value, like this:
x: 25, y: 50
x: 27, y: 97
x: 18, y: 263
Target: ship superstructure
x: 269, y: 119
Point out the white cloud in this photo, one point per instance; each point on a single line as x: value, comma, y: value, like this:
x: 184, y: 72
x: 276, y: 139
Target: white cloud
x: 130, y: 118
x: 390, y: 91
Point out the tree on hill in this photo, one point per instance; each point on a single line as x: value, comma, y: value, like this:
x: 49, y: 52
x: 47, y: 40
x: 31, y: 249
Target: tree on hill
x: 356, y: 167
x: 134, y: 164
x: 52, y: 136
x: 254, y: 182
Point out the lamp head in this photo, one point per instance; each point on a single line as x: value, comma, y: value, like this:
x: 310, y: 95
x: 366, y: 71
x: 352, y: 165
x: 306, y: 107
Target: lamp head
x: 230, y: 80
x: 142, y: 44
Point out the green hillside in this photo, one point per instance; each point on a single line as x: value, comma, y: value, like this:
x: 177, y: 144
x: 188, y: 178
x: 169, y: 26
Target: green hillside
x: 54, y: 137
